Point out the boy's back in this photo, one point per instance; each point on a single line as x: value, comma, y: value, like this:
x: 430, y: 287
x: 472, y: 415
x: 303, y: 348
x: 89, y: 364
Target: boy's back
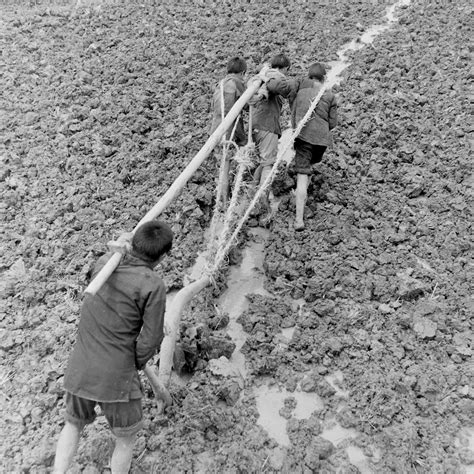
x: 226, y: 95
x: 267, y: 112
x: 229, y: 89
x: 324, y: 117
x: 120, y: 329
x: 103, y: 364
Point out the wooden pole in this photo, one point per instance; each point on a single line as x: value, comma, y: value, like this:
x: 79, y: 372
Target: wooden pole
x: 179, y: 183
x: 173, y: 318
x: 161, y: 392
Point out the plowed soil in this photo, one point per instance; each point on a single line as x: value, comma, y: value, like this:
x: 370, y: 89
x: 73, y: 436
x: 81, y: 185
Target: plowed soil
x: 101, y: 108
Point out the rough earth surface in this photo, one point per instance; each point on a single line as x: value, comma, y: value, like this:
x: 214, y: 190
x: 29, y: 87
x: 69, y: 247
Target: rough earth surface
x: 102, y: 106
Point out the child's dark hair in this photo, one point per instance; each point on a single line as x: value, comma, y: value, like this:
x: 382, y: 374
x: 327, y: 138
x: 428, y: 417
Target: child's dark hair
x: 317, y: 71
x: 236, y: 65
x: 280, y: 61
x: 152, y: 240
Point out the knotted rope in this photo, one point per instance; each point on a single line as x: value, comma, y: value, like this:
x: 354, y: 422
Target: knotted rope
x: 223, y: 169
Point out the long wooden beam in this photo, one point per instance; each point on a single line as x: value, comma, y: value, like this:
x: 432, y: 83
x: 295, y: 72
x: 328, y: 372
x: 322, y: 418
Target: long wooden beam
x: 181, y: 181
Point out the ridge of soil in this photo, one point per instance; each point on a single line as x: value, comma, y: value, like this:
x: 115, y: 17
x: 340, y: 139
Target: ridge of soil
x: 100, y: 111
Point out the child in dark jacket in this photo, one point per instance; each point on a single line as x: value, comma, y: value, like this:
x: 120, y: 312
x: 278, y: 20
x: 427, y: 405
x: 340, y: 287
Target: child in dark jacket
x: 230, y: 89
x: 266, y: 125
x: 314, y: 137
x: 120, y: 329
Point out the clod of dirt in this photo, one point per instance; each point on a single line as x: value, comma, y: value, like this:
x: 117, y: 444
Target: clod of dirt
x: 425, y: 328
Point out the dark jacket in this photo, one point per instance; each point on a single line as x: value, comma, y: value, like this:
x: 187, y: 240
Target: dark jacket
x: 266, y: 112
x: 232, y: 87
x: 324, y: 117
x: 120, y: 329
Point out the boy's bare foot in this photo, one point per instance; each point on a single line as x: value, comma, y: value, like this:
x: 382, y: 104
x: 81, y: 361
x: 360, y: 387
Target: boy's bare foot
x: 299, y: 226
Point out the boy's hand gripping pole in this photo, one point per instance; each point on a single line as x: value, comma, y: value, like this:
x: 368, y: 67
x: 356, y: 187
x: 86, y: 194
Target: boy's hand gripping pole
x: 161, y: 392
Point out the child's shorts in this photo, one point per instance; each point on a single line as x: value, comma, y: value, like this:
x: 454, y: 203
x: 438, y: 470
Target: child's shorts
x: 267, y: 146
x: 124, y: 418
x: 306, y: 155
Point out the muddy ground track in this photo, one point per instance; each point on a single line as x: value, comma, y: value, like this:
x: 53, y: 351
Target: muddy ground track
x: 101, y: 110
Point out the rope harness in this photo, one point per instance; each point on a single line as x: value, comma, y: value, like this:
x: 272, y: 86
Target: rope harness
x: 219, y: 246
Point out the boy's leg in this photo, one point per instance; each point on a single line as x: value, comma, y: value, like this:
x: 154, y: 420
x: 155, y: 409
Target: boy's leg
x: 122, y: 455
x: 125, y: 420
x: 66, y: 447
x: 272, y: 202
x: 268, y: 148
x: 223, y: 172
x: 303, y: 157
x: 225, y: 178
x: 302, y: 182
x: 79, y: 412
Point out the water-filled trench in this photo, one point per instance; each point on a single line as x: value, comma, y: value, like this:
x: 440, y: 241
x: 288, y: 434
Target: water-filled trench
x: 248, y: 278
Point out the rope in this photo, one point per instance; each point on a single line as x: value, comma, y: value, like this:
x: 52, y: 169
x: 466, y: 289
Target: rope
x: 219, y: 248
x: 226, y: 144
x: 223, y: 251
x: 243, y: 158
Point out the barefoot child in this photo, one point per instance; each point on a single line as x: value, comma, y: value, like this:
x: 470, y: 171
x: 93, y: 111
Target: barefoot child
x: 120, y: 329
x: 314, y: 138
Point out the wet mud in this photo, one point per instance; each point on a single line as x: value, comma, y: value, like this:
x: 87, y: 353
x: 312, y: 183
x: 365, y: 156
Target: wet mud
x: 350, y: 349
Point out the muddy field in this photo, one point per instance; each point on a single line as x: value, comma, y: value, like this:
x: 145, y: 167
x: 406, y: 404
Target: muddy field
x: 369, y: 309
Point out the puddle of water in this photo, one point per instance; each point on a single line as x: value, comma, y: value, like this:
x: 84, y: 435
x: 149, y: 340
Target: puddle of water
x: 269, y: 402
x: 307, y: 403
x: 247, y: 277
x: 336, y: 434
x: 359, y: 460
x: 244, y: 279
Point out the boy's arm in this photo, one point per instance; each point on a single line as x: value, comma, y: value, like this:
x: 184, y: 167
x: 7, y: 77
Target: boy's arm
x: 294, y: 85
x: 151, y: 334
x: 281, y: 86
x: 261, y: 94
x: 294, y: 88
